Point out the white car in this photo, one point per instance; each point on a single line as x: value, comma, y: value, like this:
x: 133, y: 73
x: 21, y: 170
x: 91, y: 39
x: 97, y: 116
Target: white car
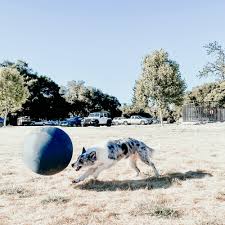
x: 50, y: 123
x: 39, y: 123
x: 137, y: 120
x: 97, y: 119
x: 118, y: 120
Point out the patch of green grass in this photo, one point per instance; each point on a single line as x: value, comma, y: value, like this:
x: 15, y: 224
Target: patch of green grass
x: 55, y: 199
x: 164, y: 212
x: 8, y: 173
x: 211, y: 222
x: 16, y: 190
x: 221, y: 196
x: 157, y: 211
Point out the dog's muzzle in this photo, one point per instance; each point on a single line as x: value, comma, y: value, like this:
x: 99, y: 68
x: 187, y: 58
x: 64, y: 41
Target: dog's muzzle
x: 78, y: 168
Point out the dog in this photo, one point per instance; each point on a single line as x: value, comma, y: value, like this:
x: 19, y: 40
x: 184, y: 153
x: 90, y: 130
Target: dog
x: 103, y: 156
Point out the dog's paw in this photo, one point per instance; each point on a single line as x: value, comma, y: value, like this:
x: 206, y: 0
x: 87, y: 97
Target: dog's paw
x: 75, y: 181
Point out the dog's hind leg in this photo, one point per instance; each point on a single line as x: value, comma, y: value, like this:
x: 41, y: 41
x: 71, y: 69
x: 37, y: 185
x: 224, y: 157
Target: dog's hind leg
x: 133, y: 164
x: 144, y: 157
x: 148, y: 162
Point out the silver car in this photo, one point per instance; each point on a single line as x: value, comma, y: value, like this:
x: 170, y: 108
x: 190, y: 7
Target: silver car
x: 118, y: 120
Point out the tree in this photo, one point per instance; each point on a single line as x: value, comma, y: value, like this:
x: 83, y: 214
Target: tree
x: 139, y: 100
x: 111, y: 104
x: 74, y: 94
x: 160, y: 83
x: 83, y: 99
x: 217, y: 67
x: 139, y: 104
x: 45, y: 101
x: 13, y: 92
x: 212, y: 93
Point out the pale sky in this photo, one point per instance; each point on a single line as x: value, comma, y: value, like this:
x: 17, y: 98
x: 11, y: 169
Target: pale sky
x: 103, y: 42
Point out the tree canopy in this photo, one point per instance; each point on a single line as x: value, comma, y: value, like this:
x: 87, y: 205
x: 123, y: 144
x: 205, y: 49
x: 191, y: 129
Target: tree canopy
x: 83, y: 99
x: 13, y: 92
x: 48, y: 101
x: 45, y: 101
x: 215, y: 68
x: 213, y: 93
x: 160, y: 83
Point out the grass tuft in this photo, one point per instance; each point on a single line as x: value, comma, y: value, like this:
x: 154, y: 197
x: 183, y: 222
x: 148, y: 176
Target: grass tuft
x: 211, y: 222
x: 164, y: 212
x: 55, y: 199
x: 156, y: 211
x: 16, y: 190
x: 221, y: 196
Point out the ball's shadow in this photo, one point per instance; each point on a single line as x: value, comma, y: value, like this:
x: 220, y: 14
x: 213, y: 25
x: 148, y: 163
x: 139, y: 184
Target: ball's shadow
x: 165, y: 181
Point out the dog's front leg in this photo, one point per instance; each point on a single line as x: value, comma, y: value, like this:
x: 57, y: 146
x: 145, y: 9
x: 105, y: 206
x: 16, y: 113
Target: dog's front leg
x: 89, y: 172
x: 98, y: 171
x: 101, y: 168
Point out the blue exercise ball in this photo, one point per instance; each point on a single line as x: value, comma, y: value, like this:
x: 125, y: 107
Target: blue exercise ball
x: 47, y: 151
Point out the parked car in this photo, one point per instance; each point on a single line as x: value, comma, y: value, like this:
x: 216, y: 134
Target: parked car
x: 150, y: 120
x: 50, y: 123
x: 97, y: 119
x: 56, y: 122
x: 118, y: 120
x: 138, y: 120
x: 71, y: 122
x: 171, y: 119
x: 39, y: 123
x: 155, y: 121
x: 24, y: 121
x: 1, y: 122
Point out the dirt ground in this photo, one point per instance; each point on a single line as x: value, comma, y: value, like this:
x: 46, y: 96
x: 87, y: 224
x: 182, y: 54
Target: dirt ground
x: 191, y: 189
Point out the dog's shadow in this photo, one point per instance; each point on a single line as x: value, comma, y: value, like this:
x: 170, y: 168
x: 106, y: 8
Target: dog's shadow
x: 165, y: 181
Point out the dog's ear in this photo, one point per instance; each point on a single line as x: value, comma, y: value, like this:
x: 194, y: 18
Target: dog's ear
x: 92, y: 156
x: 83, y: 150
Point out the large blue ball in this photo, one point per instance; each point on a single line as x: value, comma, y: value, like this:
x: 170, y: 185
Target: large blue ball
x: 47, y: 151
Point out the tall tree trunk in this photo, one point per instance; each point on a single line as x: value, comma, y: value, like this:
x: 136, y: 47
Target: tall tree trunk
x: 160, y: 115
x: 5, y: 118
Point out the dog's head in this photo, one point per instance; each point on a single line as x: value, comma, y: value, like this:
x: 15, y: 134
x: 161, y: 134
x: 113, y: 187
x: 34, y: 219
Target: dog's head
x: 85, y: 159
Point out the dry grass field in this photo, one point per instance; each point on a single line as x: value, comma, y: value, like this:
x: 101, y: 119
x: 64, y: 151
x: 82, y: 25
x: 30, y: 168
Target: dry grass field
x: 191, y: 189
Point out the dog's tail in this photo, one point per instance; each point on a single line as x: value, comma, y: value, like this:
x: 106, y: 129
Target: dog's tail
x: 150, y: 151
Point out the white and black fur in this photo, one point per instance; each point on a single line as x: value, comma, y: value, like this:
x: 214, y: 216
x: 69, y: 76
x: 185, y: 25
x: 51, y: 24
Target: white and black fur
x: 101, y: 157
